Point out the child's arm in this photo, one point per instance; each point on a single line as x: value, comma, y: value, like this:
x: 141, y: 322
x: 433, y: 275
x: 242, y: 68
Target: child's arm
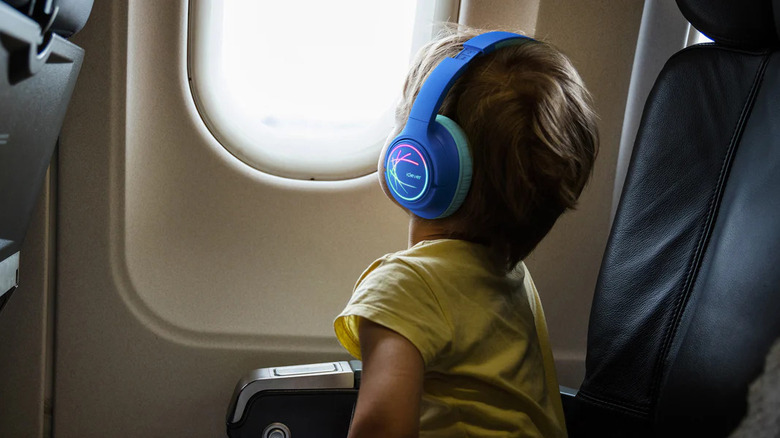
x: 388, y: 403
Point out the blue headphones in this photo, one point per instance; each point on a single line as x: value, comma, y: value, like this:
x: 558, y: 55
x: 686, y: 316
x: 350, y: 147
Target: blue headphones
x: 428, y: 165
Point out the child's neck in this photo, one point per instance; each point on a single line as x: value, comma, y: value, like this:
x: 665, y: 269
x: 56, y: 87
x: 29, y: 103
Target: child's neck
x: 428, y: 229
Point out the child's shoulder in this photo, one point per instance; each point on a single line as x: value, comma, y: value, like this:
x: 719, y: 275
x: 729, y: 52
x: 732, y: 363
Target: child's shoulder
x: 444, y: 252
x: 445, y: 256
x: 428, y: 255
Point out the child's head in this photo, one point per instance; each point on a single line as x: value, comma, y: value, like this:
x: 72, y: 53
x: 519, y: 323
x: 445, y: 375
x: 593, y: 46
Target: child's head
x: 532, y: 136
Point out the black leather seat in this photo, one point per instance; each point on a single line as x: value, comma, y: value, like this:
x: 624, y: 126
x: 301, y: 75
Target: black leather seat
x: 688, y: 298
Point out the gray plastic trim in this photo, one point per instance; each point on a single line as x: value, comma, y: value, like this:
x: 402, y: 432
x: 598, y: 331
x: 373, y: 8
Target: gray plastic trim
x: 328, y: 375
x: 565, y: 390
x: 9, y: 277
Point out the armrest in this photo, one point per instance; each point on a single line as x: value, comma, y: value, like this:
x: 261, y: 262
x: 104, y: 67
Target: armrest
x: 304, y: 401
x: 311, y: 400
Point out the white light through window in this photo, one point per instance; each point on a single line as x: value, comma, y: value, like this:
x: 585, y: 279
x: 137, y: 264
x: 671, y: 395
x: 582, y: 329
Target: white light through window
x: 304, y: 89
x: 317, y: 68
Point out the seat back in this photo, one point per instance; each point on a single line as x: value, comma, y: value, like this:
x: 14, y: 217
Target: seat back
x: 38, y: 70
x: 688, y: 298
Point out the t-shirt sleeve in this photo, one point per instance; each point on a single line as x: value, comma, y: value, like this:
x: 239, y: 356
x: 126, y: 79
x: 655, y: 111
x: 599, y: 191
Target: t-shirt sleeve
x: 392, y: 294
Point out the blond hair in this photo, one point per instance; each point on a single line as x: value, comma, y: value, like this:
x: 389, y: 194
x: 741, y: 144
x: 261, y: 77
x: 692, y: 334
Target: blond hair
x: 532, y: 135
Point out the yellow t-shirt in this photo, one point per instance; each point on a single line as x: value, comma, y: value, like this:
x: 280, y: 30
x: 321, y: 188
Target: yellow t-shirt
x: 489, y: 370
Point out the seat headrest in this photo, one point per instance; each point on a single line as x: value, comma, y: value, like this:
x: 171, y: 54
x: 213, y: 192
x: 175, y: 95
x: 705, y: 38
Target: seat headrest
x: 747, y: 24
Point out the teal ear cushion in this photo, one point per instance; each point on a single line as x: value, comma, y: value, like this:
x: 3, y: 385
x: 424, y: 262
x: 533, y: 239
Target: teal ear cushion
x: 464, y: 159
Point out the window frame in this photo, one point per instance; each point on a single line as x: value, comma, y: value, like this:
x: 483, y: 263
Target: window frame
x: 261, y: 151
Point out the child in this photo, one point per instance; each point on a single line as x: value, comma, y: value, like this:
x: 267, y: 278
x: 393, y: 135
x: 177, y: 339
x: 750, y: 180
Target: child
x: 451, y: 331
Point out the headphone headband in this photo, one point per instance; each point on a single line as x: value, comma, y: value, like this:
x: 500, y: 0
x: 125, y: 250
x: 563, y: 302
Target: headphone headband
x: 427, y: 167
x: 439, y: 82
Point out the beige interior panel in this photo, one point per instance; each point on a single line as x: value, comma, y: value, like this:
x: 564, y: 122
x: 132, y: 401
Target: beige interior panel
x: 510, y: 15
x: 212, y: 246
x: 600, y: 38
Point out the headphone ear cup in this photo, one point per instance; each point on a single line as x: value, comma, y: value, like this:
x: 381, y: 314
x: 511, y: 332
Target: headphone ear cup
x: 464, y: 161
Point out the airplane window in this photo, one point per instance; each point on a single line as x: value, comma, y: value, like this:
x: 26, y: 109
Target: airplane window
x: 304, y: 89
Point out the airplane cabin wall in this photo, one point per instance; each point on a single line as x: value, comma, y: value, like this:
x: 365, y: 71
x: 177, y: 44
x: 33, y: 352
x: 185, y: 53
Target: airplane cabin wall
x: 179, y: 268
x: 600, y: 39
x: 512, y: 15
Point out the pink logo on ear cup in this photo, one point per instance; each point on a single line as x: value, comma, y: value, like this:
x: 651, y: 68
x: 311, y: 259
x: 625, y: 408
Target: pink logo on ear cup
x: 407, y: 172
